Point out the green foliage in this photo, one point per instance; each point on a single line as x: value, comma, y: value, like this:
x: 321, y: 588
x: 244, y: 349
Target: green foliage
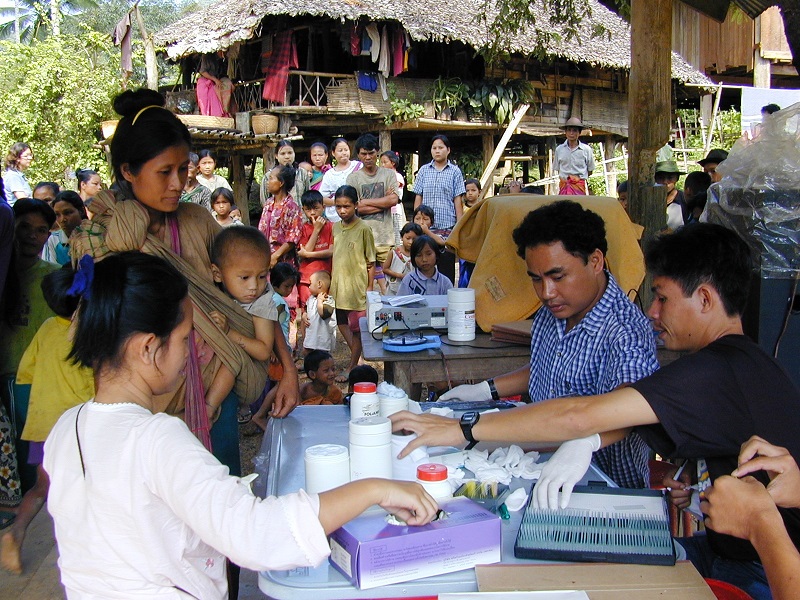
x: 402, y: 109
x: 448, y: 95
x: 499, y: 98
x: 36, y: 18
x: 157, y: 14
x: 470, y: 163
x: 727, y: 130
x: 544, y: 19
x: 54, y: 93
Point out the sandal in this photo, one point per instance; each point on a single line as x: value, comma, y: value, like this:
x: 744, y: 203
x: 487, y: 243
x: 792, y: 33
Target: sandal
x: 244, y: 417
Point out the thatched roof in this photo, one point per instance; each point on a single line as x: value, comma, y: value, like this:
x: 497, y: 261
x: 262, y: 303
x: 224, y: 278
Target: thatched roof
x: 223, y: 24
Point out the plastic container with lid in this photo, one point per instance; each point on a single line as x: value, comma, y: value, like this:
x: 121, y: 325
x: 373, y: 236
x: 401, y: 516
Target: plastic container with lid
x: 461, y: 314
x: 370, y: 448
x: 327, y: 467
x: 364, y: 402
x: 433, y: 477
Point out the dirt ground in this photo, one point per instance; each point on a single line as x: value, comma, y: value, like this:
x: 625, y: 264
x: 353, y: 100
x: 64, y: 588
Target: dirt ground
x: 250, y: 436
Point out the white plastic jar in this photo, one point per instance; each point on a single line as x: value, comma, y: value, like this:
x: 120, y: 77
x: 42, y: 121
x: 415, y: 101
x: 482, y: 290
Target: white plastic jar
x: 327, y: 467
x: 433, y: 477
x: 390, y: 405
x: 364, y: 402
x: 461, y: 314
x: 370, y: 448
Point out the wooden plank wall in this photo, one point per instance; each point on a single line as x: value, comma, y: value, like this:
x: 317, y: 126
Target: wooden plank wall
x: 556, y: 87
x: 773, y: 36
x: 710, y: 46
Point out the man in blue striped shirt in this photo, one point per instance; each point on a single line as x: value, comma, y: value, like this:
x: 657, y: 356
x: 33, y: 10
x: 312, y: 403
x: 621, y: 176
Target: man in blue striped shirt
x: 588, y: 338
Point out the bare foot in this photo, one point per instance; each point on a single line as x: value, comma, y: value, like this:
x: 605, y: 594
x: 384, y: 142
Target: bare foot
x: 342, y: 377
x: 10, y: 559
x: 260, y: 421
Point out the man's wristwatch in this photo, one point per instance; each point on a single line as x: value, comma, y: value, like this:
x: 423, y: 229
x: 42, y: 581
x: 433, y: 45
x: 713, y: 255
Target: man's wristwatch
x: 493, y: 389
x: 468, y: 421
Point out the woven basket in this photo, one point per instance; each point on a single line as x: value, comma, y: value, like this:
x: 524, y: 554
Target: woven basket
x: 264, y: 124
x: 207, y: 122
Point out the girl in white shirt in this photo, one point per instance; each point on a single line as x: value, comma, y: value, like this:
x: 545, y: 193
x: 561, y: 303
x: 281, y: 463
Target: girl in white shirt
x: 336, y: 177
x: 141, y: 508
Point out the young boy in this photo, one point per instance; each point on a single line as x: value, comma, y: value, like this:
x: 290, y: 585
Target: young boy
x: 353, y: 271
x: 321, y: 370
x: 361, y: 374
x: 320, y: 322
x: 240, y: 264
x: 314, y: 250
x: 423, y: 216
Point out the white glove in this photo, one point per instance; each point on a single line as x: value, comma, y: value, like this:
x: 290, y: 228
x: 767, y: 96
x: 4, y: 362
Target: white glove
x: 564, y: 469
x: 478, y: 392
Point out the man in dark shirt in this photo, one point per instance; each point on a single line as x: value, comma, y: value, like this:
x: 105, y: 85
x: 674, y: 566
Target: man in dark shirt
x: 702, y: 406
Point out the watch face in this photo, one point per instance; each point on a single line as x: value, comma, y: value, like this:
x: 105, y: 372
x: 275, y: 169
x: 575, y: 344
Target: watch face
x: 469, y: 418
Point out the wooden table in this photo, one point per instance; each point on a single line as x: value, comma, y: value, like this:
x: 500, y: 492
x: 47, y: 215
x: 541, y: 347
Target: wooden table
x: 478, y: 361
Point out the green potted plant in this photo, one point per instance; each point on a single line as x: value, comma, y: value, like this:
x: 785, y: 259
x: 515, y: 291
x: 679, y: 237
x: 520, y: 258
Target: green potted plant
x: 448, y: 96
x: 402, y: 109
x: 497, y: 99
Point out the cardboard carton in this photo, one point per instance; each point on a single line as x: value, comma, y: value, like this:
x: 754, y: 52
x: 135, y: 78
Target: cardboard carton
x: 600, y: 581
x: 370, y: 552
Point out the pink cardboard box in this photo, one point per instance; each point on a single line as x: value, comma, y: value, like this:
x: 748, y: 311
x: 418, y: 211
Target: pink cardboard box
x: 370, y: 552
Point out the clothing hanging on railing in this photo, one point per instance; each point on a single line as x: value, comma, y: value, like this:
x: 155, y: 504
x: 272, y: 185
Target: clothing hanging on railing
x: 367, y: 81
x: 384, y: 59
x: 398, y: 51
x: 354, y: 37
x: 375, y: 40
x: 283, y: 57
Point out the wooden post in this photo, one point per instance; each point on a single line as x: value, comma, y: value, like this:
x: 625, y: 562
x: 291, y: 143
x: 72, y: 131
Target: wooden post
x: 385, y: 141
x: 487, y: 148
x: 610, y: 169
x: 714, y: 113
x: 150, y: 65
x: 239, y: 185
x: 541, y: 150
x: 649, y: 110
x: 762, y: 67
x: 551, y: 143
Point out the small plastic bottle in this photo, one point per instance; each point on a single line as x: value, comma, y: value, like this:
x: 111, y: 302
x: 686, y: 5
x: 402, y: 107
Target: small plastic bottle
x: 433, y: 477
x: 364, y: 402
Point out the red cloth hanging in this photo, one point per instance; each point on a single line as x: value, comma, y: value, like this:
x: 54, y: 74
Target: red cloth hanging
x: 284, y: 57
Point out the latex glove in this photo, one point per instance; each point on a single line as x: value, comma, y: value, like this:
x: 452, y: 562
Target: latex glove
x: 478, y: 392
x: 564, y: 469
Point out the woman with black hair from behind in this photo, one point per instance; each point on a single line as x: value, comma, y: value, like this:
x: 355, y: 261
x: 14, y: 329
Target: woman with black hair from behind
x: 140, y: 506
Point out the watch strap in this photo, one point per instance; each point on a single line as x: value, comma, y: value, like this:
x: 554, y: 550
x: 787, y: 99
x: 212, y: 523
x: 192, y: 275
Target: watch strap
x: 466, y: 429
x: 493, y: 389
